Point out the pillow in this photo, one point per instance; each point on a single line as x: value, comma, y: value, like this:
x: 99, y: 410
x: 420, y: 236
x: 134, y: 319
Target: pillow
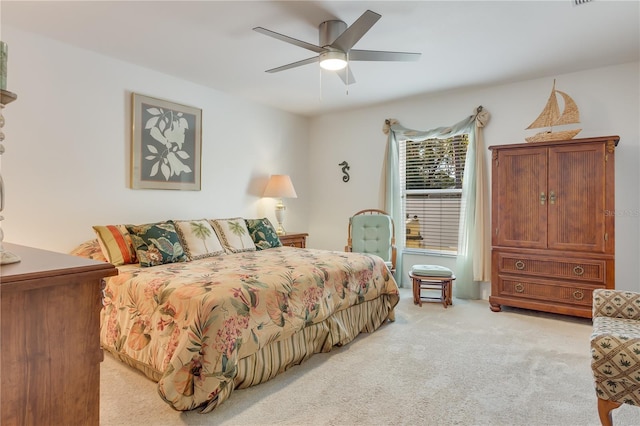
x: 431, y: 271
x: 157, y: 243
x: 233, y: 234
x: 116, y: 244
x: 90, y: 250
x: 198, y: 238
x: 263, y: 233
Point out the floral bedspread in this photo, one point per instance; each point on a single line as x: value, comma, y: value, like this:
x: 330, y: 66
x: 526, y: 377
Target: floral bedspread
x: 189, y: 323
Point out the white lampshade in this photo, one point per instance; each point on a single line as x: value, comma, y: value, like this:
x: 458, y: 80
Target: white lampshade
x: 333, y: 61
x: 280, y: 186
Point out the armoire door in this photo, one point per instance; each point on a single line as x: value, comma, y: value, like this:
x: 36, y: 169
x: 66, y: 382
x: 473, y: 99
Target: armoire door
x: 520, y: 198
x: 576, y: 198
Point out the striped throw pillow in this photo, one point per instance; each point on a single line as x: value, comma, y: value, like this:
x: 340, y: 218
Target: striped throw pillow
x: 116, y: 244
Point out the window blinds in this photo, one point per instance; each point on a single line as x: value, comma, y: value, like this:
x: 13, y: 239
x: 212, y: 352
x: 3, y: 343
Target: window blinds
x: 431, y: 175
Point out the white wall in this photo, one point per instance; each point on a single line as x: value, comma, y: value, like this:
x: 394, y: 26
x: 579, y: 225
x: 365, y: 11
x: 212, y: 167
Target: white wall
x: 608, y: 99
x: 68, y: 142
x: 68, y: 136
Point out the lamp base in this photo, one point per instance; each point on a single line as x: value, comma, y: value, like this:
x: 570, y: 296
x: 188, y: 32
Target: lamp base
x: 6, y: 257
x: 280, y: 209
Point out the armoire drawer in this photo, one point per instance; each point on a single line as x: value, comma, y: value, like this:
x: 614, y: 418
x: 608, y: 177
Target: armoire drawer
x: 573, y: 269
x: 546, y: 290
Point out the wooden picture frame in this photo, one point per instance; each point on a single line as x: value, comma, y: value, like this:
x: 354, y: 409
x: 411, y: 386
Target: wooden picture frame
x: 166, y: 144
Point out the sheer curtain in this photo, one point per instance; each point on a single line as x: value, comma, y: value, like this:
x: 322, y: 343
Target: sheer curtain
x: 473, y: 263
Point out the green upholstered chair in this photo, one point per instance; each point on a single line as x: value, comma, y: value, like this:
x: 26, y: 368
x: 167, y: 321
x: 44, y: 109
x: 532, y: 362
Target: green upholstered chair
x: 372, y: 231
x: 615, y: 350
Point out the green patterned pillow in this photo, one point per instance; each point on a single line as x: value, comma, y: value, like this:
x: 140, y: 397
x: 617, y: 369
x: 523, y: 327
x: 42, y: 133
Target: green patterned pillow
x: 157, y: 243
x: 263, y: 233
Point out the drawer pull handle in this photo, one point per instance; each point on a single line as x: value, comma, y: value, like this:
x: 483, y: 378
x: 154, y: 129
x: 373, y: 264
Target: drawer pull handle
x: 578, y: 270
x: 520, y: 265
x: 578, y: 295
x: 519, y: 288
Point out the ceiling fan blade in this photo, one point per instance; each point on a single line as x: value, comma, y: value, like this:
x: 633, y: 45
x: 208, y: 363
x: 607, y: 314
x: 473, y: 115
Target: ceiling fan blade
x: 290, y: 40
x: 376, y: 55
x: 294, y: 64
x: 343, y: 73
x: 353, y: 33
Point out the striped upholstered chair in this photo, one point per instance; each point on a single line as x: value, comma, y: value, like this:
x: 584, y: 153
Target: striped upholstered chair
x: 615, y: 350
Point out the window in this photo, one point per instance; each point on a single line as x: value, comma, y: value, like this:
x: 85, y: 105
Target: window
x: 431, y: 173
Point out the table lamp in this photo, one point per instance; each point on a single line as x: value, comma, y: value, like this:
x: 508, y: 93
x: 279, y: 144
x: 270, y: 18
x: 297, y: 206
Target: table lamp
x: 280, y: 186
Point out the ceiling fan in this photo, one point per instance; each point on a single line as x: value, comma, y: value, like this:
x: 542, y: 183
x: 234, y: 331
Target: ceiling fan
x: 335, y: 46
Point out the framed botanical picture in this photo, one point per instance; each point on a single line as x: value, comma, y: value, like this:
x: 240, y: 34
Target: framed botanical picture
x: 166, y: 145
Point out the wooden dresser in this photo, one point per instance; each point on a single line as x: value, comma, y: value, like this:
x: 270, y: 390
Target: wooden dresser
x: 294, y: 240
x: 552, y: 224
x: 50, y: 354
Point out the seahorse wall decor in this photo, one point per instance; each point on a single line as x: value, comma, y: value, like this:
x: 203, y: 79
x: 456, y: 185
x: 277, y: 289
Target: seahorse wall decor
x: 345, y: 167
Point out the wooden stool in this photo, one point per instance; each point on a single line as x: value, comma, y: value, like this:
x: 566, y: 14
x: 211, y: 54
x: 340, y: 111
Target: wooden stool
x: 444, y: 284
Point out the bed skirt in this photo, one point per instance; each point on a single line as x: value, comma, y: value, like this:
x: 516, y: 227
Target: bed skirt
x: 337, y: 330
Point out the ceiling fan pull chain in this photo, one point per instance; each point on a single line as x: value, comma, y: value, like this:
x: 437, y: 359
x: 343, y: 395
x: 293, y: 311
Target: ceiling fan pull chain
x: 348, y: 72
x: 320, y: 78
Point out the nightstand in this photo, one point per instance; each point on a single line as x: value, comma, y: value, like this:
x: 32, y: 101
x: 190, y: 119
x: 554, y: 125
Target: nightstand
x: 294, y: 240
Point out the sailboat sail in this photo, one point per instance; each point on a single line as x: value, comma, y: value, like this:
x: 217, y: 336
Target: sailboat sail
x: 570, y: 115
x: 551, y: 116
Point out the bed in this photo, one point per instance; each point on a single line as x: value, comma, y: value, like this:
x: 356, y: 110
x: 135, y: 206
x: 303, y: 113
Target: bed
x: 205, y: 327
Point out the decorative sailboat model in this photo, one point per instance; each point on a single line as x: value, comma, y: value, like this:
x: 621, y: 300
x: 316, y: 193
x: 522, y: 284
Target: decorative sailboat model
x: 551, y: 116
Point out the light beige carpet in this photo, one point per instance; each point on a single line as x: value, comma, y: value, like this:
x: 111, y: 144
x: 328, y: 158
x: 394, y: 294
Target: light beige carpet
x: 464, y: 365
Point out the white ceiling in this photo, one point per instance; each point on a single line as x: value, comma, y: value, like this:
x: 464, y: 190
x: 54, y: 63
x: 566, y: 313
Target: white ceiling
x: 463, y: 43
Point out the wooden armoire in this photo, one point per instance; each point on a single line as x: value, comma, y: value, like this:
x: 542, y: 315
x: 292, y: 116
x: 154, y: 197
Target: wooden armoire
x: 553, y: 223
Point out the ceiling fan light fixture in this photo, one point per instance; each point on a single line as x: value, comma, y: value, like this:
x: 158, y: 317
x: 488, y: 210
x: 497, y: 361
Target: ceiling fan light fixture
x: 335, y: 46
x: 333, y: 60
